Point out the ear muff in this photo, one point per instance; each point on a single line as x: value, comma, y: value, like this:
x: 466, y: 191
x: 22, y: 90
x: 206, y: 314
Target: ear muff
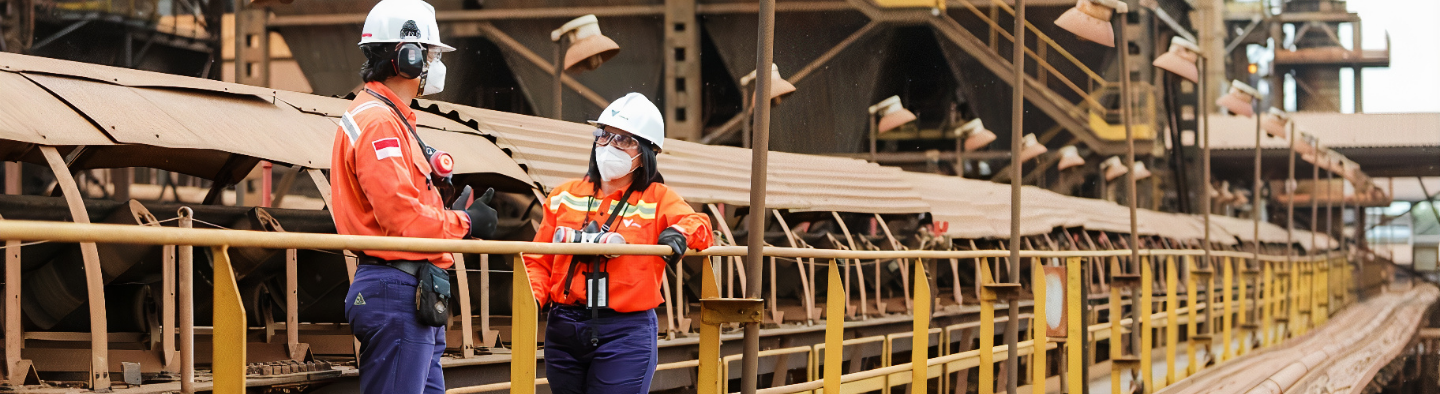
x: 409, y: 60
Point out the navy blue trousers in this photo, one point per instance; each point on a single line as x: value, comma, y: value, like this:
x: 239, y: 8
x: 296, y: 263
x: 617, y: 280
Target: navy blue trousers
x: 623, y: 363
x: 398, y: 354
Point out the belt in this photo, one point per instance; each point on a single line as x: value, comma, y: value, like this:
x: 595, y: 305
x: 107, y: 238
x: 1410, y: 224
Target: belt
x: 409, y: 266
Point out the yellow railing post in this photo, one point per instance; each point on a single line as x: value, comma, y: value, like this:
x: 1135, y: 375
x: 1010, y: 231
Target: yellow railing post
x: 1039, y: 323
x: 987, y: 329
x: 523, y: 332
x: 708, y: 378
x: 1075, y: 326
x: 1227, y: 320
x: 1293, y: 299
x: 1192, y: 327
x: 1267, y: 296
x: 920, y: 342
x: 1172, y: 321
x: 228, y: 364
x: 1147, y: 326
x: 1117, y: 332
x: 835, y: 299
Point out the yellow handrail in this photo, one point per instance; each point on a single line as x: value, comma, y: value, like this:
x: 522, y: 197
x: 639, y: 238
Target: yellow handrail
x: 1313, y: 291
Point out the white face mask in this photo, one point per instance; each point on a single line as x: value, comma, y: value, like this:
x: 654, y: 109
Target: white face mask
x: 434, y: 79
x: 613, y: 162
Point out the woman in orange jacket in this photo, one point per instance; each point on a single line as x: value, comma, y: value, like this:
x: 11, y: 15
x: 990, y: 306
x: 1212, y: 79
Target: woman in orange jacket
x: 601, y: 331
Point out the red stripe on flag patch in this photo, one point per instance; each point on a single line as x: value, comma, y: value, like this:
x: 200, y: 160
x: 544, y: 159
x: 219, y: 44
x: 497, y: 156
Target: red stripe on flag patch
x: 386, y: 143
x: 386, y: 148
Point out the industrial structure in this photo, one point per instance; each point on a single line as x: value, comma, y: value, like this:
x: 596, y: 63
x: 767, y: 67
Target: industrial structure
x: 887, y: 182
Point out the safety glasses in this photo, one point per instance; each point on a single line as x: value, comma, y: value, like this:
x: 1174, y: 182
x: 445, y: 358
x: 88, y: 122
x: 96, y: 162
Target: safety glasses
x: 603, y: 138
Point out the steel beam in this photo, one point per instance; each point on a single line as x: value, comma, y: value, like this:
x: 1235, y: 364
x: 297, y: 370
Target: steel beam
x: 99, y: 377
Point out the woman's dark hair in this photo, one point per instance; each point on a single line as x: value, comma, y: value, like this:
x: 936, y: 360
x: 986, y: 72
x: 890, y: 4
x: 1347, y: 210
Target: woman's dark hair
x: 377, y: 67
x: 646, y: 174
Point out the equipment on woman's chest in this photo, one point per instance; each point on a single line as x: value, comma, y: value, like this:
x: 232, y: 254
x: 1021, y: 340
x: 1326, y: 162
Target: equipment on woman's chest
x: 597, y: 280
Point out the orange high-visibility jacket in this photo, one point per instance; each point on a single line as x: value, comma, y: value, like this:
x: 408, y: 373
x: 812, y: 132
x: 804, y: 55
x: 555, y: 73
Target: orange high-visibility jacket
x: 380, y: 181
x: 634, y: 280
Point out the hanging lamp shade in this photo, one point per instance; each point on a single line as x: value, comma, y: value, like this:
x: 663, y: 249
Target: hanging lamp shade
x: 975, y: 134
x: 1274, y: 123
x: 1305, y: 144
x: 1114, y: 168
x: 588, y: 48
x: 1180, y: 59
x: 891, y: 114
x: 1090, y: 19
x: 1070, y: 157
x: 779, y: 87
x: 1031, y: 147
x: 1140, y: 171
x: 1240, y: 199
x: 1226, y: 196
x: 1240, y: 99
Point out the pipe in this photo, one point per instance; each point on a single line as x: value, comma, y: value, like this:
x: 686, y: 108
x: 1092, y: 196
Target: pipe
x: 1205, y: 193
x: 760, y: 147
x: 186, y: 259
x: 1017, y: 130
x: 1123, y: 46
x: 558, y: 88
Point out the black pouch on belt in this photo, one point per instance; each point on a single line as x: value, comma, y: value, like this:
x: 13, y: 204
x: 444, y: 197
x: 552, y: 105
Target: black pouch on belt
x: 432, y: 295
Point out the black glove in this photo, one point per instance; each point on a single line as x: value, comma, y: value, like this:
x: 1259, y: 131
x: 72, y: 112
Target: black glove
x: 676, y: 241
x: 482, y: 216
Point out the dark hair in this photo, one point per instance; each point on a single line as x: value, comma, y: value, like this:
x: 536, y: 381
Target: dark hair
x: 645, y: 175
x: 377, y: 67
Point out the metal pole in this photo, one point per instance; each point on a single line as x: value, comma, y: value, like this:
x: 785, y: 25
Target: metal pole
x: 559, y: 75
x: 1314, y: 192
x: 1290, y: 206
x: 1017, y: 130
x: 1122, y: 45
x: 759, y: 148
x: 1330, y: 206
x: 1205, y: 195
x: 185, y: 256
x: 1256, y: 199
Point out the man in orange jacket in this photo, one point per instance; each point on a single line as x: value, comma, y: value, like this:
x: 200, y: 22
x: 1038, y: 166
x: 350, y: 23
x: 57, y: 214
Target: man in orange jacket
x: 600, y: 336
x: 384, y: 181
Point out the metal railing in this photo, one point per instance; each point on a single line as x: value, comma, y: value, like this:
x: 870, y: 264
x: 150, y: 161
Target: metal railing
x: 1285, y: 295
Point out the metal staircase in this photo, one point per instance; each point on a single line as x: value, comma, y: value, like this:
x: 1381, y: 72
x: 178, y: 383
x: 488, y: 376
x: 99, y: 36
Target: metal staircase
x: 1077, y: 107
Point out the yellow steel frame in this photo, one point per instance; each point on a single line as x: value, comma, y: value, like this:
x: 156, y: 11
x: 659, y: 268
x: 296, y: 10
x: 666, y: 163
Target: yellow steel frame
x: 1313, y: 291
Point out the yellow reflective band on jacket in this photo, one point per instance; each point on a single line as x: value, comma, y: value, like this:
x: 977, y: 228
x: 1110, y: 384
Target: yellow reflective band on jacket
x: 645, y: 210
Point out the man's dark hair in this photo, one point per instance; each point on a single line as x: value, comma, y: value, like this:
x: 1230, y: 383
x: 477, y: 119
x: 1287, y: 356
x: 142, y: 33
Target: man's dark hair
x: 646, y: 174
x: 377, y: 67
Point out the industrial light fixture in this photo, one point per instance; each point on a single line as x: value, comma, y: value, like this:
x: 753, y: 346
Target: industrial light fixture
x: 588, y: 48
x: 1031, y: 148
x: 779, y: 87
x: 891, y: 114
x: 1305, y: 145
x: 1090, y: 19
x: 1241, y: 199
x: 1180, y: 59
x: 583, y: 49
x: 1240, y: 99
x: 1070, y: 157
x: 1140, y: 171
x: 1113, y: 168
x: 975, y: 134
x: 1274, y: 123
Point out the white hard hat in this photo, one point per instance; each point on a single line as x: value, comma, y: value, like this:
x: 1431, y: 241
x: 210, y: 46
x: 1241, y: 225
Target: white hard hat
x: 403, y: 21
x: 636, y: 114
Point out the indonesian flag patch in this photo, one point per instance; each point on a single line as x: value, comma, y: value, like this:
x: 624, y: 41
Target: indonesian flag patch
x: 386, y: 148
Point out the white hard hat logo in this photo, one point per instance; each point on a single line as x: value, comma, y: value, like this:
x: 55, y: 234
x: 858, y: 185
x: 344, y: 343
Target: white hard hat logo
x: 409, y: 30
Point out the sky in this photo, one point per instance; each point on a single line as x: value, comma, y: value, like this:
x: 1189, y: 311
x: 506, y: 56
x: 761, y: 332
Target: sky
x: 1412, y: 83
